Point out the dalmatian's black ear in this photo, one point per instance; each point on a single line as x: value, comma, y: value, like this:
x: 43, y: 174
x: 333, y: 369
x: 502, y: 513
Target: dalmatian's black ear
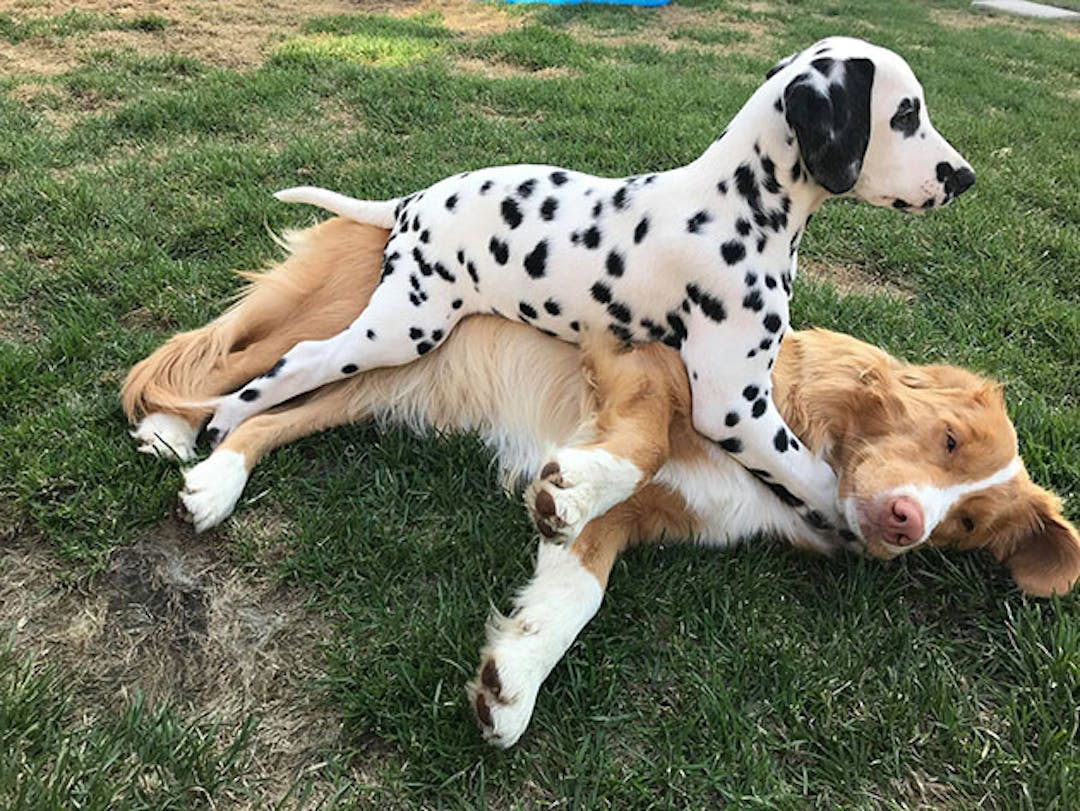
x: 783, y: 63
x: 828, y: 106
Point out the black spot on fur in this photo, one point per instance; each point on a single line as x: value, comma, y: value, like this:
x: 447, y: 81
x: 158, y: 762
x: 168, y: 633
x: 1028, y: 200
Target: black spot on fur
x: 591, y: 237
x: 526, y: 188
x: 415, y: 333
x: 621, y: 332
x: 551, y: 306
x: 761, y: 243
x: 461, y: 257
x: 731, y: 445
x: 731, y: 420
x: 785, y: 495
x: 558, y: 178
x: 780, y: 441
x: 678, y: 330
x: 713, y: 308
x: 620, y: 312
x: 273, y: 370
x: 598, y: 209
x: 641, y: 230
x: 750, y: 279
x: 900, y: 204
x: 444, y: 273
x: 621, y: 198
x: 765, y: 344
x: 249, y: 395
x: 656, y: 331
x: 511, y: 212
x: 759, y: 407
x: 601, y: 292
x: 575, y: 326
x: 752, y: 301
x: 742, y: 226
x: 526, y: 309
x: 536, y: 260
x: 615, y: 264
x: 423, y: 348
x: 388, y: 264
x: 722, y: 187
x: 732, y: 251
x: 485, y: 187
x: 471, y: 268
x: 751, y: 393
x: 694, y: 224
x: 451, y: 202
x: 770, y: 282
x: 500, y: 250
x: 415, y: 299
x: 548, y: 209
x: 772, y: 322
x: 456, y: 303
x: 349, y: 368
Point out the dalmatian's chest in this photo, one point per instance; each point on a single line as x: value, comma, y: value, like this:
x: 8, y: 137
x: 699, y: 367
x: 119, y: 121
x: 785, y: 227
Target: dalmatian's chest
x: 565, y: 251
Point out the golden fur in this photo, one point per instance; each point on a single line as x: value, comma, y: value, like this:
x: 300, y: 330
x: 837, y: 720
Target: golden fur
x: 879, y: 421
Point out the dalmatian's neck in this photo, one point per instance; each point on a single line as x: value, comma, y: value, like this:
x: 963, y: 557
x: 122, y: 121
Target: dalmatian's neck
x: 757, y: 157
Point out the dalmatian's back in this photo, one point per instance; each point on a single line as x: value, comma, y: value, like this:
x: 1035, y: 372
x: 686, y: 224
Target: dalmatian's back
x: 557, y: 249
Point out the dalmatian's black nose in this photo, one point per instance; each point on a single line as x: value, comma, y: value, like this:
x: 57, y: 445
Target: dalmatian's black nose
x: 957, y: 181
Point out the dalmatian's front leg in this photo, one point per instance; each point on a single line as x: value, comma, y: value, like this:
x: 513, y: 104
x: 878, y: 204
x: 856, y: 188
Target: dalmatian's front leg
x: 729, y: 364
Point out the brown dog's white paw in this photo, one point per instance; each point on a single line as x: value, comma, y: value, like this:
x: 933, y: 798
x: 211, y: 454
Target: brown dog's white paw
x: 575, y: 487
x: 502, y: 712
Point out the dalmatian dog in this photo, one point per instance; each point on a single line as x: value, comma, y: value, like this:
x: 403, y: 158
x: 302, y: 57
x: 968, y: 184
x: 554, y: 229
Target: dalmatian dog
x: 701, y: 257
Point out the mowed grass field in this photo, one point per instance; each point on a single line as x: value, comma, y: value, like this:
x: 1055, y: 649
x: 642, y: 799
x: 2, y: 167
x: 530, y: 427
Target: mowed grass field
x: 312, y: 651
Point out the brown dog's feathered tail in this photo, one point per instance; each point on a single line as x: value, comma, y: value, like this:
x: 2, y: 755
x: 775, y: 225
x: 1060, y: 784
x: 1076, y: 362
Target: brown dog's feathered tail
x: 316, y: 292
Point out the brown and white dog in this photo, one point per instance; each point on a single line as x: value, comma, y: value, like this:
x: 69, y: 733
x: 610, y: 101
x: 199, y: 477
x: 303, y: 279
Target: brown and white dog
x: 923, y: 454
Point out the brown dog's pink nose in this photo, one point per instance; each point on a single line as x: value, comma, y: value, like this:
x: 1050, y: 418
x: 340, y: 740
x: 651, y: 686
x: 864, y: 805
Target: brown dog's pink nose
x: 902, y: 521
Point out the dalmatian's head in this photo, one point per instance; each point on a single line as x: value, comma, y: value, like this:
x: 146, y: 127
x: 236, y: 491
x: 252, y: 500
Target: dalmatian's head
x: 863, y: 130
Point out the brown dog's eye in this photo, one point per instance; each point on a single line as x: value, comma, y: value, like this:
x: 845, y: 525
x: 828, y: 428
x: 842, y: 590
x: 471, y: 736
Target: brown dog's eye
x: 950, y: 443
x: 969, y: 525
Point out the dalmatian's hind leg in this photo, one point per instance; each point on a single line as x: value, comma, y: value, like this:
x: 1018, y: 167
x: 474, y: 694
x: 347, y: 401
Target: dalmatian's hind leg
x: 385, y: 334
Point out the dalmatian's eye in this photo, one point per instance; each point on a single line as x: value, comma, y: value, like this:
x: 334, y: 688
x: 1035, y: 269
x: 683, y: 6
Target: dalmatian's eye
x: 968, y: 524
x: 950, y: 442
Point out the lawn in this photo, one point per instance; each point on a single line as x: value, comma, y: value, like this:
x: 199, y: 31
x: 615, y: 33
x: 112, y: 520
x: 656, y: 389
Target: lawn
x: 312, y: 652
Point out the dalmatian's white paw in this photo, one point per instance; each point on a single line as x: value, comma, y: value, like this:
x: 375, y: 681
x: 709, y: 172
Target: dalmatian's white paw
x: 575, y: 487
x: 228, y: 415
x: 165, y: 435
x: 212, y: 488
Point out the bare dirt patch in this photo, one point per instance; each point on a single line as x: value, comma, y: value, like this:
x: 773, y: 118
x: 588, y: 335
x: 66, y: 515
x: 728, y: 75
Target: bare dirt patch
x: 670, y: 20
x: 238, y: 34
x: 493, y: 69
x: 848, y: 278
x: 171, y: 617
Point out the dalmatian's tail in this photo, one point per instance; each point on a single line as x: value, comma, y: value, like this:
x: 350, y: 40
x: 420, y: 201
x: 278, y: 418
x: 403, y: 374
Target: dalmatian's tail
x: 370, y: 212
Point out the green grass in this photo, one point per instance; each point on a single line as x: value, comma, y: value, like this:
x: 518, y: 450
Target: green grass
x: 752, y: 678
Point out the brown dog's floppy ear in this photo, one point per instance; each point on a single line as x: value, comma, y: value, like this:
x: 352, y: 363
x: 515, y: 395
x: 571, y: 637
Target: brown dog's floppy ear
x: 1044, y: 557
x: 828, y: 107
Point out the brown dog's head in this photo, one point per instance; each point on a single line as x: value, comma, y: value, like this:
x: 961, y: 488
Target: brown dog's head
x: 928, y: 455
